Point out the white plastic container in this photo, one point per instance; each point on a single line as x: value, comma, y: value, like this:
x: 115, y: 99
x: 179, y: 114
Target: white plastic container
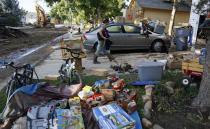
x: 150, y: 71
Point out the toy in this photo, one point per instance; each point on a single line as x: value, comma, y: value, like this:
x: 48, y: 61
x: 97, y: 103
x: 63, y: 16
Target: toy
x: 95, y: 100
x: 109, y: 94
x: 41, y: 117
x: 192, y: 70
x: 102, y: 84
x: 87, y: 88
x: 113, y: 77
x: 70, y: 119
x: 126, y: 100
x: 118, y: 85
x: 131, y: 107
x: 112, y: 116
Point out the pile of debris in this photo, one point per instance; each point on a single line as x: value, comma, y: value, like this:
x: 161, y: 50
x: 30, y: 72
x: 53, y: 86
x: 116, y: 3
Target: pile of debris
x: 106, y: 104
x: 8, y: 32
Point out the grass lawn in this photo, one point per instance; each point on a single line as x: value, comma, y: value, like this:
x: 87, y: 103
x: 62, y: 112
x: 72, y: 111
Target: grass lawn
x: 165, y: 106
x: 89, y: 80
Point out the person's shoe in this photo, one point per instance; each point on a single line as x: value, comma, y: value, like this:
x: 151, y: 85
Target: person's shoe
x: 110, y: 57
x: 95, y: 60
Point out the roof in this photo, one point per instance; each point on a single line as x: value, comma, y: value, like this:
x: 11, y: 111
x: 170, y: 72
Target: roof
x: 160, y: 4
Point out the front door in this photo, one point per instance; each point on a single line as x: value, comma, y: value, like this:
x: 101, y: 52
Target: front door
x: 133, y: 37
x: 115, y: 32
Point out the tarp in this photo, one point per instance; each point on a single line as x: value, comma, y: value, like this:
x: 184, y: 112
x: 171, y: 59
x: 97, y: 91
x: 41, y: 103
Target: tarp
x: 29, y: 89
x: 40, y: 93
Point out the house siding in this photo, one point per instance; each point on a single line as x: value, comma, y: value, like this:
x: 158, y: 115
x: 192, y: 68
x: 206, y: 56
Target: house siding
x: 165, y: 15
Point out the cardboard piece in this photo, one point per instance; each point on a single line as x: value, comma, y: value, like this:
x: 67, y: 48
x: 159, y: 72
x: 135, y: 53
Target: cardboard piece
x: 70, y: 118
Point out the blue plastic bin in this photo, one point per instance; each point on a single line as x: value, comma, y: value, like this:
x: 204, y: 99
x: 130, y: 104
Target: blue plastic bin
x: 181, y: 38
x: 150, y: 71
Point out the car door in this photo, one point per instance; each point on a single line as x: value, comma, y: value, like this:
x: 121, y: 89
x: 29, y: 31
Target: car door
x: 133, y: 38
x: 115, y: 32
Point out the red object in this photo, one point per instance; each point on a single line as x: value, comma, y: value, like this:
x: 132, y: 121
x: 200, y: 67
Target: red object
x: 95, y: 96
x: 193, y: 73
x: 208, y: 16
x: 130, y: 17
x: 95, y: 99
x: 118, y: 85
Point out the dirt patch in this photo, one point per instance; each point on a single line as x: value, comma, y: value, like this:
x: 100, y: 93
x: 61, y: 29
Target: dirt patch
x: 36, y: 37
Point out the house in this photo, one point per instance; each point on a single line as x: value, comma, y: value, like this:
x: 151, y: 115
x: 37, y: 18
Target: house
x: 158, y: 10
x: 30, y: 18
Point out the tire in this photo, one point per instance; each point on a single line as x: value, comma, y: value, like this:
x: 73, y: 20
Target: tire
x: 158, y: 46
x: 10, y: 88
x: 186, y: 81
x: 63, y: 73
x: 28, y: 77
x: 74, y: 78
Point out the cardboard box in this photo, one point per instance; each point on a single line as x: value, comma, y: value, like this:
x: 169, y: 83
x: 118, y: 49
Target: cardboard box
x: 70, y: 118
x: 112, y: 116
x: 109, y: 94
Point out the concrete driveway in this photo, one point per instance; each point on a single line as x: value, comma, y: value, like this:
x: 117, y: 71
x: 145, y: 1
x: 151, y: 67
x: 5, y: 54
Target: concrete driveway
x: 52, y: 63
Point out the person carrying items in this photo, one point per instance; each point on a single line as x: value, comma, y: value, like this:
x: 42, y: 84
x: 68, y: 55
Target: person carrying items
x: 103, y: 43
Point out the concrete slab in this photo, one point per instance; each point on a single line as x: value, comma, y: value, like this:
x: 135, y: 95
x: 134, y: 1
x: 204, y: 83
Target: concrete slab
x: 52, y: 64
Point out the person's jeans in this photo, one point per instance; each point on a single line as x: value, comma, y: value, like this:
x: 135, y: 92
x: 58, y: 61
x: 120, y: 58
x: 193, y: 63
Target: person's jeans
x: 101, y: 47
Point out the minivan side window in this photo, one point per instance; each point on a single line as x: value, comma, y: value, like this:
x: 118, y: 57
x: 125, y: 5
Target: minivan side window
x: 114, y: 29
x: 131, y: 29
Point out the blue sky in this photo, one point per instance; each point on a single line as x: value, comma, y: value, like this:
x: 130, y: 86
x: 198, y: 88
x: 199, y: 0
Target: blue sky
x: 29, y: 5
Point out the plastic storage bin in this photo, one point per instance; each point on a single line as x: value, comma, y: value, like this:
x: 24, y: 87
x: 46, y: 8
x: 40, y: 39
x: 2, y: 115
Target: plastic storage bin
x: 150, y: 71
x: 181, y: 38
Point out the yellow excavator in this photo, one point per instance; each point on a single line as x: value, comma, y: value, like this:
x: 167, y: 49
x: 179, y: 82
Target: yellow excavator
x: 42, y: 19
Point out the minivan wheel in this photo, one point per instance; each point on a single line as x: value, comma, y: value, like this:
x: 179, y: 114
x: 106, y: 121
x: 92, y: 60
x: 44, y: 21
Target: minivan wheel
x: 158, y: 46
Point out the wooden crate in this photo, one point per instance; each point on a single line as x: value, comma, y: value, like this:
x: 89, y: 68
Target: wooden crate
x: 192, y: 65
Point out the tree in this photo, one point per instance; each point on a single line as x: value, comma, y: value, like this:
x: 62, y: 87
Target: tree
x: 10, y: 9
x: 60, y: 10
x: 89, y: 9
x: 202, y: 101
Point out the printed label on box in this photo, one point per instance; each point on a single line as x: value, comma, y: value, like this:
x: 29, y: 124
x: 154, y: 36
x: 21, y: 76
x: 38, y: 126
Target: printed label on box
x: 104, y: 110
